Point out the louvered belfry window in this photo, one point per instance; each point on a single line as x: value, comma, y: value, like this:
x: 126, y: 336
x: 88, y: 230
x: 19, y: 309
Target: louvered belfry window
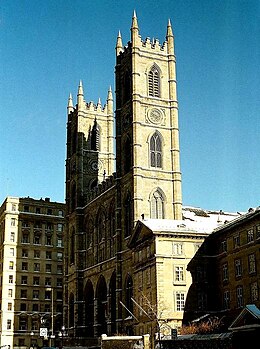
x: 154, y: 82
x: 157, y: 209
x: 156, y: 150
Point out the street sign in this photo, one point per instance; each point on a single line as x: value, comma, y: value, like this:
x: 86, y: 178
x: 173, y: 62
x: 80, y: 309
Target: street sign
x: 43, y: 332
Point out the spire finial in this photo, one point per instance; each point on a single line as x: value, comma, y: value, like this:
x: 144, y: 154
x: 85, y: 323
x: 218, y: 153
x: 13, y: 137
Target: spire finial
x: 134, y: 21
x: 119, y: 44
x: 70, y: 104
x: 135, y: 31
x: 80, y: 96
x: 110, y: 101
x: 169, y: 29
x: 80, y: 89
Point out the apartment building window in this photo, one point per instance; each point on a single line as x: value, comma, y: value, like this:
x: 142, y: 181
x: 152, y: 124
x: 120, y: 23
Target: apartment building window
x: 224, y: 246
x: 48, y: 268
x: 225, y: 272
x: 12, y: 222
x: 59, y: 256
x: 11, y: 265
x: 238, y: 267
x: 48, y: 255
x: 178, y: 273
x: 239, y: 294
x: 24, y: 266
x: 59, y: 282
x: 37, y: 239
x: 59, y: 227
x: 22, y: 323
x: 180, y: 301
x: 23, y: 293
x: 49, y: 211
x: 23, y: 306
x: 25, y: 238
x: 9, y: 324
x: 59, y: 242
x: 25, y: 224
x: 38, y: 210
x: 36, y: 267
x: 60, y: 213
x: 254, y: 291
x: 10, y: 292
x: 24, y: 253
x: 47, y: 295
x: 177, y: 248
x: 35, y: 294
x: 250, y: 235
x: 35, y: 327
x: 12, y: 252
x: 47, y: 281
x: 49, y: 227
x: 48, y: 240
x: 236, y: 240
x: 36, y: 281
x: 35, y: 307
x: 252, y: 263
x: 9, y: 306
x: 47, y: 308
x: 11, y: 279
x: 37, y: 254
x: 226, y: 299
x: 12, y: 236
x: 26, y: 208
x: 13, y: 207
x: 24, y: 280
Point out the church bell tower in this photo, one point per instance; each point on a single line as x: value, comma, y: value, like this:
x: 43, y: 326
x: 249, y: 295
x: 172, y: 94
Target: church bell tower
x: 147, y: 131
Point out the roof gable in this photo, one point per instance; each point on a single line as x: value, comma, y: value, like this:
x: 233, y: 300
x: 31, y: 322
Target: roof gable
x: 249, y: 317
x: 140, y: 233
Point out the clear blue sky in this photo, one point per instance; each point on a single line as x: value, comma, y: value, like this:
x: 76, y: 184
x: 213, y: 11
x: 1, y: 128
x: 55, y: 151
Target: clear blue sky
x: 46, y: 47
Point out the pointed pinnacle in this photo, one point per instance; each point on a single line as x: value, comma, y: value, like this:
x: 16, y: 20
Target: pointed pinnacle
x: 80, y: 89
x: 70, y: 101
x: 169, y: 28
x: 134, y: 21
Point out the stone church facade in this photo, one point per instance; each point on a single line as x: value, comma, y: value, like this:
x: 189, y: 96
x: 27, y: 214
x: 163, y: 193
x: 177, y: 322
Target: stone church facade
x: 127, y: 243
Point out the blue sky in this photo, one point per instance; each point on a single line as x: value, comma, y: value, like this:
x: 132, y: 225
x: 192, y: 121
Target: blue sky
x: 46, y: 47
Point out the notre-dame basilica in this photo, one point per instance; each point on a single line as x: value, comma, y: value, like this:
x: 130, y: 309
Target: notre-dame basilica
x: 127, y: 240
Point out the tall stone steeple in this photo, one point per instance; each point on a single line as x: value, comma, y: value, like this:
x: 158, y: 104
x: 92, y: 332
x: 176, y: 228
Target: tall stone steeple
x: 147, y: 126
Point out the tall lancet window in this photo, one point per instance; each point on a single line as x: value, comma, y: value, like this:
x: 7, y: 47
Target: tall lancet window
x: 157, y: 205
x: 95, y: 137
x: 156, y: 150
x: 154, y: 82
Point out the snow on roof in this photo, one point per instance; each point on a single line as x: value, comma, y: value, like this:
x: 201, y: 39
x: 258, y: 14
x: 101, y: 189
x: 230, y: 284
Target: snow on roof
x: 195, y: 220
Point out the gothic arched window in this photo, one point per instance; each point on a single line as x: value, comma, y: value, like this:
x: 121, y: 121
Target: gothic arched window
x: 157, y: 205
x: 154, y: 82
x: 156, y: 150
